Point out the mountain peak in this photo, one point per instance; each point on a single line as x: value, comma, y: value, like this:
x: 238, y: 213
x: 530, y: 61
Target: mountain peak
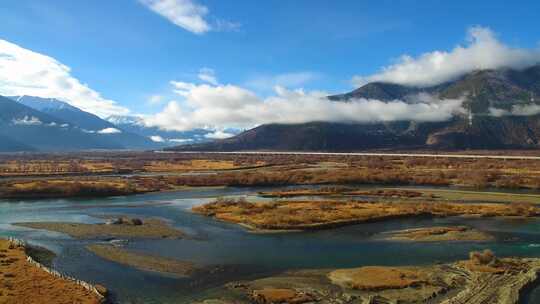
x: 43, y: 104
x: 125, y: 120
x: 377, y: 90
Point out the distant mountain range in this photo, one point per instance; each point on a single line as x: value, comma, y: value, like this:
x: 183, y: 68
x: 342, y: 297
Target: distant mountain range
x: 502, y: 105
x: 43, y: 124
x: 64, y: 111
x: 30, y: 123
x: 502, y: 112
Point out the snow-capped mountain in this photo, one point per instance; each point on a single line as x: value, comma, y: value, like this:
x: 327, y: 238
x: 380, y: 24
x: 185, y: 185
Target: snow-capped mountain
x: 44, y: 124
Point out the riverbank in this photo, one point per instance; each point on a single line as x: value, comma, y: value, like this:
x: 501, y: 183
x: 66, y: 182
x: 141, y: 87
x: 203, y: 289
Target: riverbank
x: 316, y: 215
x: 410, y: 194
x: 25, y: 281
x: 474, y: 281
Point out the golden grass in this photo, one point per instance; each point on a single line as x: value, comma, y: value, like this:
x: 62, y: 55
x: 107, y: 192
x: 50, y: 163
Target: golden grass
x: 280, y: 295
x: 45, y: 167
x: 190, y: 165
x: 304, y: 215
x: 377, y: 277
x: 22, y: 282
x: 254, y: 170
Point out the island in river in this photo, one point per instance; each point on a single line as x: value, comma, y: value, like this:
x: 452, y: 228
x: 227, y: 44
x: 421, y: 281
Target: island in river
x: 120, y: 227
x: 437, y: 234
x: 142, y: 261
x: 324, y: 214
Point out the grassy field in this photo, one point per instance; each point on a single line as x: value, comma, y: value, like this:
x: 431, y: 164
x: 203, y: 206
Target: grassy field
x: 108, y: 174
x: 23, y: 282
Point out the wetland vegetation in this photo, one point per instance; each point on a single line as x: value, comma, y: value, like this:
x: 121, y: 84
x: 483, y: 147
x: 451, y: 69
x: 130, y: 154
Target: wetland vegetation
x: 111, y: 174
x: 127, y: 219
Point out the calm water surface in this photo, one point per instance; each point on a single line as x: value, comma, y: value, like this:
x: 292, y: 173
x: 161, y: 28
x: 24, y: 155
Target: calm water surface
x: 242, y: 254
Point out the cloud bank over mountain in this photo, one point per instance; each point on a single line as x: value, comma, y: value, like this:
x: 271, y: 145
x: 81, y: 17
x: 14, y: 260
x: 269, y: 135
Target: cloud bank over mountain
x: 24, y: 72
x: 517, y: 110
x: 482, y: 51
x: 221, y: 106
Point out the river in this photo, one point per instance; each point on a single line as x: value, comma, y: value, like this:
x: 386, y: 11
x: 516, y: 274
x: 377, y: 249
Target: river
x: 243, y: 255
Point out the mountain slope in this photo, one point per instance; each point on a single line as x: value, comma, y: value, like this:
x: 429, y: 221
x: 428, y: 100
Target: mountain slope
x: 10, y: 145
x: 485, y: 92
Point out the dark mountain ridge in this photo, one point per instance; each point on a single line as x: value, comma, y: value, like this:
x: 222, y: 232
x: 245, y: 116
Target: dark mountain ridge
x: 484, y: 92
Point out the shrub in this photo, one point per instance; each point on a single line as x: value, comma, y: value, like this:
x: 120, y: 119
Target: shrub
x: 486, y: 257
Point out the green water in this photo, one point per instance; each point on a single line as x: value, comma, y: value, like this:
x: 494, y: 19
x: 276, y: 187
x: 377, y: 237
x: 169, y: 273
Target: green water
x: 242, y: 255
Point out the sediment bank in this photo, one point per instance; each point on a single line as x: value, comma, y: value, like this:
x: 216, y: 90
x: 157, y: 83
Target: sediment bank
x: 473, y: 281
x: 118, y: 228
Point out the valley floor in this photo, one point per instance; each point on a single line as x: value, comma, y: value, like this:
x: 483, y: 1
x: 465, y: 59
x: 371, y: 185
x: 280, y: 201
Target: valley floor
x: 191, y: 226
x: 33, y: 176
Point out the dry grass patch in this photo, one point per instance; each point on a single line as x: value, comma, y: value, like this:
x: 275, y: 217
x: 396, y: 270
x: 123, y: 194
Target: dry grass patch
x: 190, y: 165
x: 280, y: 295
x: 377, y: 278
x: 22, y: 282
x: 305, y: 215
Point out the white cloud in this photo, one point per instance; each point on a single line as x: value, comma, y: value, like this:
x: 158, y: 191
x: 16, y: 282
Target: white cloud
x: 218, y: 134
x: 27, y: 121
x: 24, y: 72
x: 226, y: 26
x: 184, y: 13
x: 155, y: 99
x: 181, y: 140
x: 517, y: 110
x: 526, y: 110
x: 288, y: 80
x: 229, y: 106
x: 157, y: 138
x: 109, y: 131
x: 482, y: 51
x: 496, y: 112
x: 208, y: 75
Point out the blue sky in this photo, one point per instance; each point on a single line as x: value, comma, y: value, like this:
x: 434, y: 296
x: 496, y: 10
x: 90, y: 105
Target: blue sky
x: 128, y: 53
